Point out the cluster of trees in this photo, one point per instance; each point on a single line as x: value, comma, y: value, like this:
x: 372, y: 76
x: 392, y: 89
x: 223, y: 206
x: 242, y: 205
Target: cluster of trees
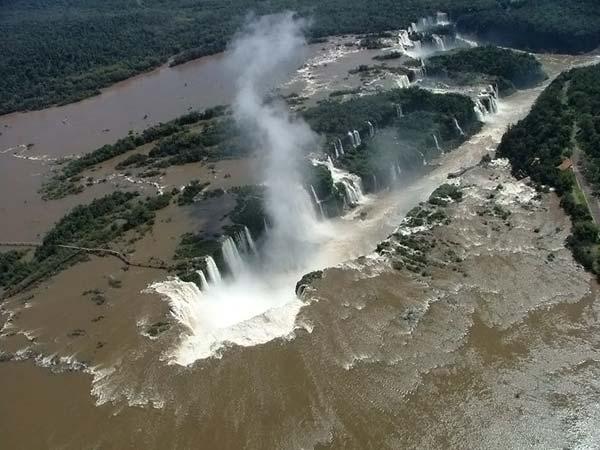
x: 62, y: 51
x: 538, y: 144
x: 507, y: 68
x: 66, y: 181
x: 94, y: 225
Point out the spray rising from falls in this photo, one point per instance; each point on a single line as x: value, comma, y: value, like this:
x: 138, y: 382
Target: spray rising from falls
x: 256, y: 302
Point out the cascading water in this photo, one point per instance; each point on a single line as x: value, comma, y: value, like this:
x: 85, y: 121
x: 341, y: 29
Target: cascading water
x: 317, y: 201
x: 437, y: 143
x: 352, y: 140
x: 352, y: 184
x: 232, y: 257
x: 203, y: 281
x: 258, y: 303
x: 250, y: 241
x: 404, y: 39
x: 371, y: 129
x: 214, y: 275
x: 458, y: 127
x: 340, y: 146
x: 403, y: 81
x: 357, y: 139
x: 335, y: 150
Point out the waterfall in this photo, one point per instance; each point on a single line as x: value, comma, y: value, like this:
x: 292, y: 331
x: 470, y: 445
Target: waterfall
x: 439, y: 42
x: 352, y: 192
x: 437, y: 144
x: 424, y: 160
x: 371, y: 129
x: 232, y: 256
x: 341, y: 147
x: 374, y: 182
x: 213, y: 271
x: 317, y: 201
x: 250, y: 241
x: 480, y: 109
x: 357, y: 140
x: 352, y: 140
x: 351, y: 184
x: 404, y: 39
x: 457, y: 126
x: 399, y: 112
x: 203, y: 281
x: 403, y: 82
x: 335, y: 149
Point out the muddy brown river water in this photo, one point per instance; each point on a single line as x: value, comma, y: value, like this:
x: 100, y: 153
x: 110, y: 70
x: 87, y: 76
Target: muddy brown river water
x: 499, y: 353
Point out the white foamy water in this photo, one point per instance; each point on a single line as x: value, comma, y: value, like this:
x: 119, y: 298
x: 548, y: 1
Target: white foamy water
x: 250, y: 311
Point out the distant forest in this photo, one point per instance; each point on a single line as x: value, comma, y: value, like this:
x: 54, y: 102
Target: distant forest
x: 59, y: 51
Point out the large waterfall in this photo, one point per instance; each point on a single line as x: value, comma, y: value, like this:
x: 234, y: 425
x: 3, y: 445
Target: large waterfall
x: 253, y: 303
x: 486, y: 102
x: 351, y: 183
x: 403, y: 81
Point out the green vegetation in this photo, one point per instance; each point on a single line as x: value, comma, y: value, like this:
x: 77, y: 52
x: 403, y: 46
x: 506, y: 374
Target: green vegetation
x: 564, y: 123
x: 506, y: 68
x: 92, y: 43
x: 175, y: 141
x: 424, y: 114
x: 563, y: 26
x: 91, y: 226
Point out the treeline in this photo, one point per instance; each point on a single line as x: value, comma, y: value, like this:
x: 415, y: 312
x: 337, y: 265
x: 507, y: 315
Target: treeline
x: 506, y: 68
x: 62, y: 51
x: 539, y: 144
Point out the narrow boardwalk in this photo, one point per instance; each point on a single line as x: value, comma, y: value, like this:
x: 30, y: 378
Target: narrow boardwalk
x: 96, y: 251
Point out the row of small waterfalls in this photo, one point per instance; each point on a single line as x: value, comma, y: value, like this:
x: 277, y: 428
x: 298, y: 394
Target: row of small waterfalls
x: 236, y: 250
x: 410, y: 40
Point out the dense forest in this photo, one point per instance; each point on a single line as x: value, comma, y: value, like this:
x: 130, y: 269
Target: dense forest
x: 564, y: 123
x: 506, y: 68
x: 59, y: 51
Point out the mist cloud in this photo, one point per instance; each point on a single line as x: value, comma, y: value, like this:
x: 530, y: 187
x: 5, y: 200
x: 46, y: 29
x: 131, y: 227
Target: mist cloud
x: 262, y: 55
